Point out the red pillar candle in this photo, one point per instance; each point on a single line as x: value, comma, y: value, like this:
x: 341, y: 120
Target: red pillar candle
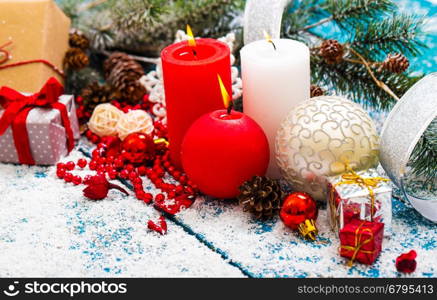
x: 190, y: 79
x: 221, y: 151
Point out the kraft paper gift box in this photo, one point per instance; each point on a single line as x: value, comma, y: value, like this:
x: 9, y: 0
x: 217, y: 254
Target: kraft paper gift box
x: 44, y: 126
x: 36, y: 29
x: 349, y: 201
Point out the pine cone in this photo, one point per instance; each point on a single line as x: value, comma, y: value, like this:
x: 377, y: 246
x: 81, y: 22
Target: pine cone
x: 316, y: 91
x: 78, y: 40
x: 396, y: 63
x: 332, y: 51
x: 95, y: 94
x: 113, y: 60
x: 75, y: 59
x: 261, y: 196
x: 123, y: 74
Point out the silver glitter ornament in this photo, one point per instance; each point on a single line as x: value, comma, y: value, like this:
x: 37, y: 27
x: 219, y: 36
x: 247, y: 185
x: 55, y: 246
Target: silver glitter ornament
x: 319, y: 138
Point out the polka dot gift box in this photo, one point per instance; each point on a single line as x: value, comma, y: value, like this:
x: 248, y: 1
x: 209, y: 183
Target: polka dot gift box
x: 37, y: 129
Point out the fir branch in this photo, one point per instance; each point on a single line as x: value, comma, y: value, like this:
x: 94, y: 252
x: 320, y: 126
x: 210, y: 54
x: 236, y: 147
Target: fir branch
x: 293, y: 23
x: 424, y: 158
x: 396, y: 34
x: 212, y: 18
x: 351, y: 12
x: 353, y: 80
x: 130, y: 16
x: 378, y: 82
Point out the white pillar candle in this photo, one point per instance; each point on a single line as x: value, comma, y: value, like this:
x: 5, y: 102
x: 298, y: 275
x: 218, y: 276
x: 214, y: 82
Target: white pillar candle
x: 274, y: 82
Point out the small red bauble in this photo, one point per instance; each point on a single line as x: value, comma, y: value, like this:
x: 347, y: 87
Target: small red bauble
x: 297, y: 208
x: 221, y: 151
x: 138, y: 148
x: 406, y: 263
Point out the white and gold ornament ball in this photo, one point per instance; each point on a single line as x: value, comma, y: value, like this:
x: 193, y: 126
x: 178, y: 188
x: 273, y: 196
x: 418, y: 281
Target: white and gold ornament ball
x: 322, y: 136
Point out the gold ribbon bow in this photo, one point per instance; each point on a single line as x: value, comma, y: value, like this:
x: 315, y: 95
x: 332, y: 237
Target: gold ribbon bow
x: 351, y: 177
x: 359, y: 244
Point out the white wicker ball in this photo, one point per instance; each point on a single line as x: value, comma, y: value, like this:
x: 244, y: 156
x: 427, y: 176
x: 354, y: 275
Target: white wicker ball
x: 135, y: 121
x: 104, y: 120
x: 319, y: 138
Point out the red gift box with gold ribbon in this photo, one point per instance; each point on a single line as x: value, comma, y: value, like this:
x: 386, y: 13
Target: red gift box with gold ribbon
x: 361, y: 241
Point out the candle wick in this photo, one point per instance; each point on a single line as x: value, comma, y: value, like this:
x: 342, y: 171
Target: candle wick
x: 194, y: 53
x: 230, y: 107
x: 273, y: 44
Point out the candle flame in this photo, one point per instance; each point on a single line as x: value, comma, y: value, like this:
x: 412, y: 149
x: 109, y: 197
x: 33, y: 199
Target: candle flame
x: 269, y: 39
x: 191, y: 40
x: 225, y: 94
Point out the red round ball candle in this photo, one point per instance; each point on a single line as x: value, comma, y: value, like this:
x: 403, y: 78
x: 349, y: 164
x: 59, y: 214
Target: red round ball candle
x: 221, y: 151
x: 190, y: 73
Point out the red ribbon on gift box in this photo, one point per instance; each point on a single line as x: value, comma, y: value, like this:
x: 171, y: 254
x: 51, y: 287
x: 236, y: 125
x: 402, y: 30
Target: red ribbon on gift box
x: 17, y: 107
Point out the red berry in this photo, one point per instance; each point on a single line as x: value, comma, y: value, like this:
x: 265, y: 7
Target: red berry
x: 60, y: 173
x: 142, y: 170
x: 82, y: 163
x: 101, y: 168
x: 124, y: 174
x: 177, y: 175
x: 102, y: 160
x: 179, y: 189
x: 140, y: 194
x: 148, y: 196
x: 118, y: 163
x: 112, y: 174
x: 183, y: 179
x: 159, y: 197
x: 137, y: 180
x: 101, y: 146
x: 77, y: 180
x: 189, y: 190
x: 138, y: 187
x: 60, y: 166
x: 130, y: 167
x: 87, y: 179
x: 70, y: 165
x: 93, y: 165
x: 68, y: 177
x: 95, y: 139
x: 95, y: 154
x: 133, y: 175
